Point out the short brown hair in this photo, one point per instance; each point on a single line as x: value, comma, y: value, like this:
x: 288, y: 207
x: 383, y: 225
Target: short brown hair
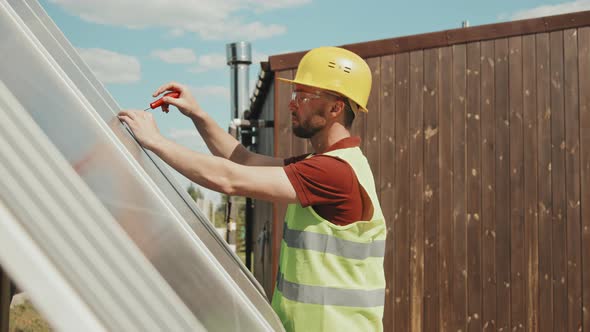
x: 348, y: 114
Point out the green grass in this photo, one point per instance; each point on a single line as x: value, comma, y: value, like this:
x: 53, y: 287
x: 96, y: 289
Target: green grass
x: 25, y: 318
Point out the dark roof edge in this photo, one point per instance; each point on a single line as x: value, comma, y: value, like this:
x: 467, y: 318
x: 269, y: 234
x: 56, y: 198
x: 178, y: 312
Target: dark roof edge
x: 447, y: 37
x: 258, y: 97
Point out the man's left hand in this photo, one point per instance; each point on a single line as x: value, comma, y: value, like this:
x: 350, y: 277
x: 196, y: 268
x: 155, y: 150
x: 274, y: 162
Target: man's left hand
x: 143, y: 126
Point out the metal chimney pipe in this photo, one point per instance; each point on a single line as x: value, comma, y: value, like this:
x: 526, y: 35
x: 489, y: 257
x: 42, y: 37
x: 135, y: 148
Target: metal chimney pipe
x: 239, y: 58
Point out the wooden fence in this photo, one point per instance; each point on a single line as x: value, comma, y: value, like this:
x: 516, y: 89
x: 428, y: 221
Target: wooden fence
x: 481, y: 155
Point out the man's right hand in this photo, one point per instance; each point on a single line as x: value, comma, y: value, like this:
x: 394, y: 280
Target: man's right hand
x: 186, y: 103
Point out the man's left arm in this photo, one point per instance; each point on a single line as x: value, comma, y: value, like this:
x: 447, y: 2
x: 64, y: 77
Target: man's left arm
x: 216, y: 173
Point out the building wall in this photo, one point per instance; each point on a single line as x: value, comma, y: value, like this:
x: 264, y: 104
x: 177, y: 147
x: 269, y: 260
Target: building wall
x: 263, y: 211
x: 481, y: 156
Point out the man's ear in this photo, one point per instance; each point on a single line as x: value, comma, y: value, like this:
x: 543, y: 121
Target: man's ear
x: 338, y: 107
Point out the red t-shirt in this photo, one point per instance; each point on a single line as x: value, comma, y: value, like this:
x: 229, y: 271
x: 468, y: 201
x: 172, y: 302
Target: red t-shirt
x: 329, y: 185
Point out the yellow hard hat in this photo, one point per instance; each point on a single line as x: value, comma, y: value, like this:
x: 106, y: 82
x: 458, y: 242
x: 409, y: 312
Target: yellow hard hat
x: 338, y: 70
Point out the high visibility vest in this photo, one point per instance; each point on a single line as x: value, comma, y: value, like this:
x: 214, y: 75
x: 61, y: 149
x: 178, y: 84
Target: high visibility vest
x: 331, y: 277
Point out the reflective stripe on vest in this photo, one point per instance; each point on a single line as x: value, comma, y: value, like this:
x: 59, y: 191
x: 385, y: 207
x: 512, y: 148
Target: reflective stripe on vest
x: 329, y: 295
x: 333, y: 245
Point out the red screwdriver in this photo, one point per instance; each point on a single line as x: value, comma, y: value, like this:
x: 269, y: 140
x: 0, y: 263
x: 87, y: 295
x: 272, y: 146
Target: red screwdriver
x: 160, y: 102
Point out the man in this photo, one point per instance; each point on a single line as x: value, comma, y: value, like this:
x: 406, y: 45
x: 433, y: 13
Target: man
x: 330, y: 274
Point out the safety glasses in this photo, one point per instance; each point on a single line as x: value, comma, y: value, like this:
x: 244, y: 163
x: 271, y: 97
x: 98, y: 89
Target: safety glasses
x: 302, y: 97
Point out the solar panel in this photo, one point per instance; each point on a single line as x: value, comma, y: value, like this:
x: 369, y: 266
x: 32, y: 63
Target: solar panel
x: 47, y: 77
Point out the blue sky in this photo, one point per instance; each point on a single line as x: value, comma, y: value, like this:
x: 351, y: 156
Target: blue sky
x: 134, y: 46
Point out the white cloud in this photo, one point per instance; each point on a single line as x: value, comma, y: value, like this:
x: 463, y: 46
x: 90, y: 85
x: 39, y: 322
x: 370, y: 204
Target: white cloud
x: 208, y: 62
x: 176, y: 32
x: 210, y: 19
x: 184, y: 133
x: 265, y: 5
x: 549, y: 10
x: 175, y: 55
x: 241, y: 31
x: 189, y: 138
x: 208, y: 92
x: 112, y: 67
x: 216, y: 61
x: 257, y: 58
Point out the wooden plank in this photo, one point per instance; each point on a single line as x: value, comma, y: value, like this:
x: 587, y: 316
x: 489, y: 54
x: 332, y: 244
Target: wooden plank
x: 5, y: 299
x: 401, y: 193
x: 517, y: 239
x: 530, y: 182
x: 521, y: 27
x: 268, y: 136
x: 298, y: 145
x: 445, y: 88
x: 572, y: 183
x: 544, y: 187
x: 263, y: 210
x: 459, y: 111
x: 488, y: 161
x: 372, y: 136
x: 262, y: 263
x: 387, y: 177
x: 584, y: 82
x: 502, y: 215
x: 416, y: 216
x: 447, y: 37
x: 283, y: 129
x: 558, y: 183
x: 282, y: 147
x: 264, y: 84
x: 359, y: 127
x: 473, y: 179
x: 431, y: 191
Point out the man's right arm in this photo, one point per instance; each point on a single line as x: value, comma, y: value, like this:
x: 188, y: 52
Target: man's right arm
x: 224, y: 145
x: 219, y: 141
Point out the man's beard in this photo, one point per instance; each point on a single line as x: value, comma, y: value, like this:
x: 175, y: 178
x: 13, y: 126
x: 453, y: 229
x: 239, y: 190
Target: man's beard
x: 308, y: 128
x: 305, y: 131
